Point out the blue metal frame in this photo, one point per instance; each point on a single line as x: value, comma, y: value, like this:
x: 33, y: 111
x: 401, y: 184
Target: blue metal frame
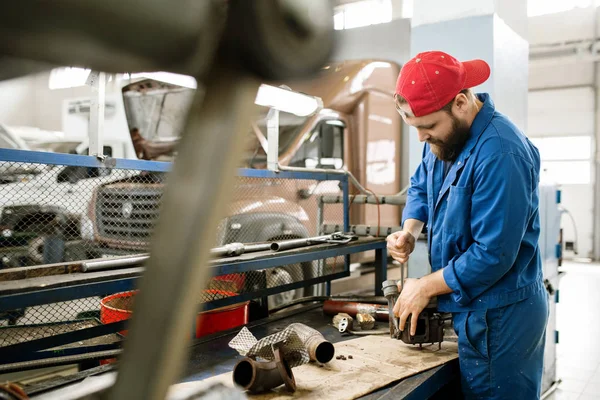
x: 75, y: 160
x: 64, y: 293
x: 33, y: 350
x: 308, y: 175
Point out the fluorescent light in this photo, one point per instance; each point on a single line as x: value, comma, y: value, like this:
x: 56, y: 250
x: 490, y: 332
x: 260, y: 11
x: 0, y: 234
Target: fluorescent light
x: 286, y: 100
x: 67, y: 77
x: 168, y: 77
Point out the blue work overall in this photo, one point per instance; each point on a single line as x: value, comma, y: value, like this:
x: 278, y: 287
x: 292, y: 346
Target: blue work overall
x: 483, y: 227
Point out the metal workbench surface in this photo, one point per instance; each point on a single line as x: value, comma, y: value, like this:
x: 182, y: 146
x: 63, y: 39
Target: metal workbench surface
x: 211, y: 355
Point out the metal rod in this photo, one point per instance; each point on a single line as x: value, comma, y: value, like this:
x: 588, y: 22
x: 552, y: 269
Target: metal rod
x: 366, y: 199
x: 273, y: 139
x: 351, y: 177
x: 229, y: 250
x: 295, y: 243
x: 54, y: 361
x: 237, y: 249
x: 319, y: 290
x: 114, y: 263
x: 363, y: 230
x: 177, y: 269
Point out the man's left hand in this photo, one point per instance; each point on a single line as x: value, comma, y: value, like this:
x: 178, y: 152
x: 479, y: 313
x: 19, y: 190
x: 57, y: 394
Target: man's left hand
x: 412, y: 300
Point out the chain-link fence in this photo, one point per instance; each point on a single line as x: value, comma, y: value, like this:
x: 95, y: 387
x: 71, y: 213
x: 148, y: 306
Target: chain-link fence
x: 68, y: 213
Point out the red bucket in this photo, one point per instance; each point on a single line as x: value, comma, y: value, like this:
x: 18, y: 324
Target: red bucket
x: 118, y: 307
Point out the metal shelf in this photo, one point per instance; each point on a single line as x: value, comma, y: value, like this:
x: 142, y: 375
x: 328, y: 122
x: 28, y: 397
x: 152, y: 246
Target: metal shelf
x: 72, y: 286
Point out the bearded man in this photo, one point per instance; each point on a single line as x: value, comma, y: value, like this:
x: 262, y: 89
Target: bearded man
x: 476, y: 192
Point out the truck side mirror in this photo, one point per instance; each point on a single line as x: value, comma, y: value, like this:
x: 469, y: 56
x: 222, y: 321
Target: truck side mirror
x: 74, y: 174
x: 71, y: 174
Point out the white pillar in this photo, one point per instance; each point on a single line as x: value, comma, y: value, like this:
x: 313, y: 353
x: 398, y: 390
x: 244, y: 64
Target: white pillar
x: 97, y: 81
x: 492, y: 30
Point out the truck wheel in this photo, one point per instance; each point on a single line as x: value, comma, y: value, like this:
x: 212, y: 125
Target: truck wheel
x: 281, y: 39
x: 288, y: 274
x: 35, y: 250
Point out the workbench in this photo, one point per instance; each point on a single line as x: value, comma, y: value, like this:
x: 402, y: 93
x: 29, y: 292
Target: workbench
x: 211, y: 355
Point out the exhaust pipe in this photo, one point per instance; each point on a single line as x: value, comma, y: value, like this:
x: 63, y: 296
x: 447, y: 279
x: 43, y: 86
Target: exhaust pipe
x: 318, y: 348
x: 257, y: 377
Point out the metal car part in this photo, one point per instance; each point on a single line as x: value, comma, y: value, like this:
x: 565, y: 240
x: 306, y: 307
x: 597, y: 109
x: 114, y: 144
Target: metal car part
x: 261, y: 376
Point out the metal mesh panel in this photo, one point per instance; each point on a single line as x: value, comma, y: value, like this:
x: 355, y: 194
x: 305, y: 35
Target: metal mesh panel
x: 54, y: 214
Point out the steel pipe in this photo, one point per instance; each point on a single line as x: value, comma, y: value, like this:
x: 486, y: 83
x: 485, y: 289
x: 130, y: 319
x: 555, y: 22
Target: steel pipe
x: 113, y: 263
x: 318, y: 348
x: 363, y: 230
x: 378, y: 311
x: 366, y: 199
x: 237, y: 249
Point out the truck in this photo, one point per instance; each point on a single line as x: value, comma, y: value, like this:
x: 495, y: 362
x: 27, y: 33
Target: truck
x: 357, y: 130
x: 43, y: 201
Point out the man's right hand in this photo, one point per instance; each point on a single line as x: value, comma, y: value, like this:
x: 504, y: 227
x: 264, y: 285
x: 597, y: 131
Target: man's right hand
x: 400, y: 245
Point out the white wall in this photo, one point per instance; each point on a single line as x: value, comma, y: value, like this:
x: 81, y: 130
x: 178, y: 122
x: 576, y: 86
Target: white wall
x: 17, y: 100
x: 49, y: 104
x: 574, y: 112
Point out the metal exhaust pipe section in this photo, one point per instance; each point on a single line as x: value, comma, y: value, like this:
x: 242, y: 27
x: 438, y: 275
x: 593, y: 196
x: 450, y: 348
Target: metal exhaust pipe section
x: 319, y: 349
x: 259, y: 376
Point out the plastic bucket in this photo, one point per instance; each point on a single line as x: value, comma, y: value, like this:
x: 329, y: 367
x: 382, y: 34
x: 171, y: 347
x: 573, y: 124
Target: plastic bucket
x: 119, y: 307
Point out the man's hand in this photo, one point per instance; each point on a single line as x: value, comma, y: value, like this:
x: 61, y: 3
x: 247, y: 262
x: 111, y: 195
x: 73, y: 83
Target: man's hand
x: 400, y: 245
x: 412, y: 300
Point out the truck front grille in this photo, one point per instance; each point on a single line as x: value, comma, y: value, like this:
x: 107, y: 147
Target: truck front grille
x: 127, y: 214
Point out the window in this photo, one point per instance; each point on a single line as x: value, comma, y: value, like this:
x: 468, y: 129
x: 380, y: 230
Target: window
x: 67, y: 77
x: 323, y: 148
x: 362, y: 13
x: 542, y: 7
x: 565, y: 160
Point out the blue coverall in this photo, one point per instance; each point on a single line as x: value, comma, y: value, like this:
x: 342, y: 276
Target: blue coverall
x: 483, y: 227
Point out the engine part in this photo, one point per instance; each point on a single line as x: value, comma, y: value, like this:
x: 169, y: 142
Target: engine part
x: 366, y: 321
x: 430, y: 324
x: 319, y: 349
x: 390, y: 291
x: 430, y: 329
x: 256, y: 376
x: 334, y: 238
x: 378, y: 311
x: 343, y: 322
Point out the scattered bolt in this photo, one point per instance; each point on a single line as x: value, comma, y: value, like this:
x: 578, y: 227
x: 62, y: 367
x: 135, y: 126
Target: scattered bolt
x: 350, y: 357
x: 338, y: 358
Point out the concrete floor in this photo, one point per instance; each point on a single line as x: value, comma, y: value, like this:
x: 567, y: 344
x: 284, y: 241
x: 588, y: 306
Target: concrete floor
x: 578, y: 323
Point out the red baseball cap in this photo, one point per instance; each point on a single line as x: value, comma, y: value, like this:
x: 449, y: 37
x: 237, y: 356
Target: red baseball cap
x: 432, y: 79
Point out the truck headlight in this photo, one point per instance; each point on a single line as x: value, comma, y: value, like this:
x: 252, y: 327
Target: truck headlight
x: 86, y: 227
x: 7, y: 233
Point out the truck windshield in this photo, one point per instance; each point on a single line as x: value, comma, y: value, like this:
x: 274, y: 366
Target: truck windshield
x: 157, y: 112
x: 290, y: 126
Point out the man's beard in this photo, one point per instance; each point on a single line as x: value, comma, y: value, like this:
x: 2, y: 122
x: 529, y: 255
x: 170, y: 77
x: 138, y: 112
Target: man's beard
x: 448, y: 150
